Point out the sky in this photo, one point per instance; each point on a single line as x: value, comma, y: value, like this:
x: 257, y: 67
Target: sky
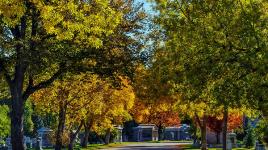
x: 147, y: 5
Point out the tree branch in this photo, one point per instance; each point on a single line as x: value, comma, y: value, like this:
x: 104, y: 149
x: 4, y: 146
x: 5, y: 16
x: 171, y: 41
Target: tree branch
x: 79, y: 128
x: 198, y: 120
x: 32, y: 88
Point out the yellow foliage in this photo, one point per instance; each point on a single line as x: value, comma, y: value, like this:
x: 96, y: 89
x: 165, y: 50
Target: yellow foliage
x: 82, y: 22
x: 87, y: 97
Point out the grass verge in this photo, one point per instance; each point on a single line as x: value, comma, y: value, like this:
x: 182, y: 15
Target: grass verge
x: 190, y: 147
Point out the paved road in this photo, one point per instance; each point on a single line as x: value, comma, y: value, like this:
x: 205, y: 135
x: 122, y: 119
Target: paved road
x: 149, y: 146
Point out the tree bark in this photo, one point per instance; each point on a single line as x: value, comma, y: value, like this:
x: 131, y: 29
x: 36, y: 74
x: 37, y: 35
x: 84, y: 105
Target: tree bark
x: 17, y: 121
x: 107, y: 136
x: 87, y: 127
x: 160, y: 133
x: 225, y: 128
x: 62, y: 116
x: 17, y: 107
x: 73, y: 136
x: 218, y: 137
x: 204, y: 137
x: 195, y: 136
x: 203, y: 126
x: 85, y: 138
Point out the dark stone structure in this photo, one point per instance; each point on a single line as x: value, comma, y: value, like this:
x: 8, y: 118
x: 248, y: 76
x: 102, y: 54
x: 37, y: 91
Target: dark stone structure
x: 145, y: 132
x: 177, y: 133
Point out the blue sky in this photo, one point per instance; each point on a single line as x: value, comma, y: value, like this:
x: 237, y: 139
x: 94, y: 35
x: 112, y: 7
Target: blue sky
x: 147, y: 5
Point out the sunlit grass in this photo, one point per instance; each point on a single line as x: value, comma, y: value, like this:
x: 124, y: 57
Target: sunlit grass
x: 190, y: 147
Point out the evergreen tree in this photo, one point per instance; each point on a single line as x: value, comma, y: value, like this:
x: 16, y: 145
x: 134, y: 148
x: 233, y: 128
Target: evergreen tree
x: 249, y: 138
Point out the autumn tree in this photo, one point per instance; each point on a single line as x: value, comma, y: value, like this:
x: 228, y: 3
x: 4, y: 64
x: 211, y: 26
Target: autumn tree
x: 154, y: 103
x: 82, y: 99
x: 214, y: 50
x: 116, y: 103
x: 124, y: 45
x: 68, y: 100
x: 42, y: 40
x: 161, y: 113
x: 216, y: 123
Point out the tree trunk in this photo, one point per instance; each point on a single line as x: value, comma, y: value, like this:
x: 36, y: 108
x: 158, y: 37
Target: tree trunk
x: 194, y: 128
x: 17, y: 110
x: 60, y: 130
x: 218, y: 137
x: 71, y: 144
x: 203, y: 137
x: 160, y: 133
x: 73, y: 136
x: 87, y: 127
x: 85, y: 138
x: 17, y: 122
x: 203, y: 127
x: 225, y: 128
x: 107, y: 136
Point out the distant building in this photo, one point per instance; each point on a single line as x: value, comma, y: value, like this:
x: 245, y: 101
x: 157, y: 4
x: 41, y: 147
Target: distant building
x: 177, y: 133
x: 145, y: 132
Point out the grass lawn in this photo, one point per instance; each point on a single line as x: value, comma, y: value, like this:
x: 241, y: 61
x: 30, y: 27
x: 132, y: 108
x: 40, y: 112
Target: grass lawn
x: 190, y: 147
x: 97, y: 146
x: 102, y: 146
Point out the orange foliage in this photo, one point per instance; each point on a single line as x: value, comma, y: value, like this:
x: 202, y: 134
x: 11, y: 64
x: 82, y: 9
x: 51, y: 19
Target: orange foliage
x: 234, y: 121
x: 159, y: 113
x: 216, y: 124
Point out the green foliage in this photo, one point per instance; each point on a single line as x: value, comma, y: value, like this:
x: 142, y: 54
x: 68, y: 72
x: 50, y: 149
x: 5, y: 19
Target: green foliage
x: 195, y: 132
x: 4, y: 121
x: 212, y: 54
x: 249, y: 139
x: 27, y: 122
x: 261, y: 131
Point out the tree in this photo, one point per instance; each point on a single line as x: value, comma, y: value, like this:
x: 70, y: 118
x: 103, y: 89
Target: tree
x: 154, y: 104
x: 249, y: 139
x: 123, y: 46
x: 160, y: 112
x: 68, y: 99
x: 84, y: 101
x: 117, y: 104
x: 42, y: 40
x: 216, y: 123
x: 213, y: 49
